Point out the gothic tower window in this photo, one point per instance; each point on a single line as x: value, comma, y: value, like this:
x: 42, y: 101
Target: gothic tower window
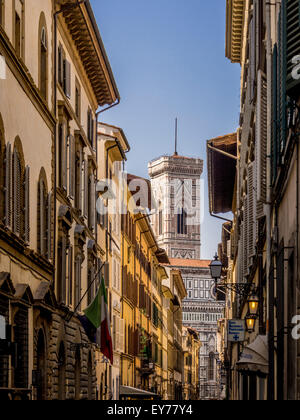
x: 182, y: 222
x: 211, y: 367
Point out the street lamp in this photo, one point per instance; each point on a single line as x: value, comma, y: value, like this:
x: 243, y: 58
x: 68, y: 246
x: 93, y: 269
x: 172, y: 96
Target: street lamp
x: 250, y: 323
x: 216, y: 268
x: 253, y: 303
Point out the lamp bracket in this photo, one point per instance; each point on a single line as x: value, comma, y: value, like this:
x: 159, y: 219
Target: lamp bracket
x: 241, y: 289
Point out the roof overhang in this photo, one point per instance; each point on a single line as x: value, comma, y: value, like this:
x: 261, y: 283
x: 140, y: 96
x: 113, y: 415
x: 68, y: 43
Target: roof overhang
x: 221, y: 162
x: 83, y: 28
x: 235, y: 15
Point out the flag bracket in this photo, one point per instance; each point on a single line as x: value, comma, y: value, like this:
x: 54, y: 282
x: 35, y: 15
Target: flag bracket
x: 69, y: 316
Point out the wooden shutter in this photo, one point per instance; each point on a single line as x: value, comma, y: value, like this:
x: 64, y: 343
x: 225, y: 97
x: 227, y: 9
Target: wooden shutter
x: 68, y: 79
x: 49, y: 225
x: 92, y: 201
x: 27, y: 205
x: 245, y: 243
x: 62, y: 270
x: 274, y: 145
x: 8, y: 186
x: 71, y: 166
x: 16, y: 193
x: 42, y: 220
x: 70, y: 275
x: 281, y: 80
x: 261, y: 137
x: 251, y: 211
x: 60, y: 65
x: 80, y: 180
x: 65, y: 162
x: 252, y: 49
x: 86, y: 188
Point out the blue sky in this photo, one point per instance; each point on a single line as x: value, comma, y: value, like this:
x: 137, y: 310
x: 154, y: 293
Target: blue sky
x: 168, y: 59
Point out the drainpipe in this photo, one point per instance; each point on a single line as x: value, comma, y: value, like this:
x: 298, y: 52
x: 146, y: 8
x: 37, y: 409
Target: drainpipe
x: 270, y: 287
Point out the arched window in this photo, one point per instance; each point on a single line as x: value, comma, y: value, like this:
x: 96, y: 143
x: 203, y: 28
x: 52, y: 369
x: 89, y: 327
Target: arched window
x: 211, y: 367
x: 17, y: 191
x: 43, y: 57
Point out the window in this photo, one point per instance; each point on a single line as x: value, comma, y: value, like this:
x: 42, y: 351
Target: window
x: 181, y: 222
x: 78, y: 175
x: 64, y: 72
x: 196, y: 294
x: 91, y: 201
x: 17, y: 34
x: 43, y: 61
x: 160, y: 222
x: 78, y: 270
x: 77, y: 99
x: 44, y: 217
x: 211, y: 367
x: 90, y: 127
x: 2, y: 12
x: 17, y: 192
x: 18, y: 27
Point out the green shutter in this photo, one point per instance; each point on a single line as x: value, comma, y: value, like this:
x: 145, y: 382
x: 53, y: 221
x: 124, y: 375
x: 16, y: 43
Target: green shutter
x: 281, y: 80
x: 274, y: 116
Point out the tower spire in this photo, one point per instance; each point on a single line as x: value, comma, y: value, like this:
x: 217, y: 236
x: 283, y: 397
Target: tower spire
x: 176, y: 136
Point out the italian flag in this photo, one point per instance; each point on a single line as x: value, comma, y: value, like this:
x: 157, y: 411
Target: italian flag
x: 97, y: 315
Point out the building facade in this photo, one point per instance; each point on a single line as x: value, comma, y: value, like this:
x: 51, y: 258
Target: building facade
x: 50, y: 92
x: 263, y: 257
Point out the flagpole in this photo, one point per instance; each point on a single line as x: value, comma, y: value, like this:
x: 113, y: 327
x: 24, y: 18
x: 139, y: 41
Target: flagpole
x: 68, y: 317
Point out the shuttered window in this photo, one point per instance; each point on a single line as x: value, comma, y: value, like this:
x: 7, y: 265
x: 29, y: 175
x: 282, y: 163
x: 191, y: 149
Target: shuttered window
x: 27, y: 205
x: 70, y: 275
x: 251, y: 211
x: 16, y: 193
x: 91, y: 201
x: 49, y: 227
x: 42, y: 218
x: 281, y: 79
x: 261, y: 137
x: 61, y: 270
x: 67, y: 78
x: 71, y: 167
x: 78, y: 267
x: 274, y: 143
x: 8, y: 186
x: 85, y: 191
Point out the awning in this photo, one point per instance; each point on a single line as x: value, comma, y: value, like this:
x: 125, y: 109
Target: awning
x: 255, y: 357
x: 221, y: 166
x: 128, y: 391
